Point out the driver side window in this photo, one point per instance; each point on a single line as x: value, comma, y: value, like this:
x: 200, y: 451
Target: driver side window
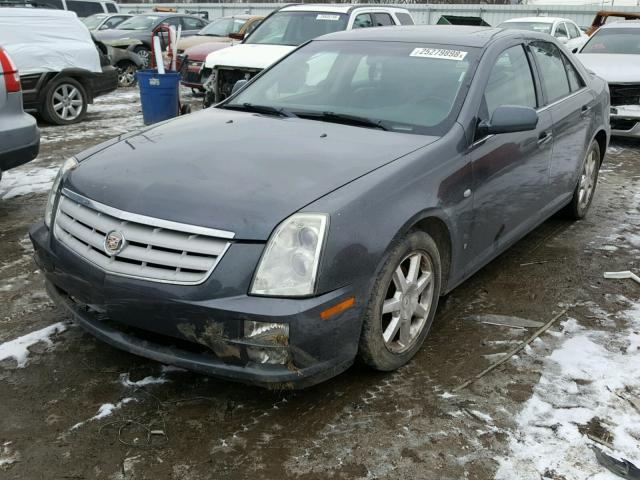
x: 510, y: 83
x: 363, y: 21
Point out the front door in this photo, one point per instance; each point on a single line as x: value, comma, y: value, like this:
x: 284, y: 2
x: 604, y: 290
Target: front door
x: 510, y: 170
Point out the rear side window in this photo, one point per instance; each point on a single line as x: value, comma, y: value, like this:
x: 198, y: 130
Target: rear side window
x: 84, y: 9
x: 561, y: 31
x: 382, y: 19
x: 55, y: 4
x: 111, y: 7
x: 404, y: 18
x: 510, y: 82
x: 574, y: 32
x: 193, y: 23
x: 575, y: 81
x: 363, y: 21
x: 552, y: 72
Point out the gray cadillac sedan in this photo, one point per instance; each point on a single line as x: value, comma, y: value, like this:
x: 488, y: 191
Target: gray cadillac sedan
x: 318, y: 214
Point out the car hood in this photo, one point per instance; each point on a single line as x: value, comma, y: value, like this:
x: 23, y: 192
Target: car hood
x: 614, y: 68
x: 233, y: 171
x: 248, y: 55
x: 200, y: 39
x: 199, y: 52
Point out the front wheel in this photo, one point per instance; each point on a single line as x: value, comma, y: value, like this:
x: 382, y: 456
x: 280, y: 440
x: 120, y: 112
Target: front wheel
x: 403, y: 303
x: 145, y: 55
x: 586, y: 187
x: 126, y: 73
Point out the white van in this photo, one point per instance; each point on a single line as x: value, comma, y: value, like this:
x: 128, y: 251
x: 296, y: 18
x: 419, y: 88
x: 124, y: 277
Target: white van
x: 84, y: 8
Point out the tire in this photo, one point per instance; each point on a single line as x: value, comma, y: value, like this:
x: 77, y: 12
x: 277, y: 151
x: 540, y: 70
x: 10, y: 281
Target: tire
x: 391, y: 352
x: 126, y: 73
x: 145, y: 55
x: 586, y: 187
x: 65, y: 102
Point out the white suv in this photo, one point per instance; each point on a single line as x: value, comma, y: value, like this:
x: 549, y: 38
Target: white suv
x: 281, y: 32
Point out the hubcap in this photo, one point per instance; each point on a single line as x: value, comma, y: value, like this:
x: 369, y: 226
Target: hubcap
x: 67, y: 102
x: 144, y: 56
x: 587, y: 181
x: 408, y: 302
x: 126, y: 76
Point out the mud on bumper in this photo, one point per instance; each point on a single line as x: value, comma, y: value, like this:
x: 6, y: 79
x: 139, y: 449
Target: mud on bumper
x: 202, y: 336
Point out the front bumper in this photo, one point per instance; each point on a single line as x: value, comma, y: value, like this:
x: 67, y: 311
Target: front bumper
x: 625, y: 121
x: 149, y: 319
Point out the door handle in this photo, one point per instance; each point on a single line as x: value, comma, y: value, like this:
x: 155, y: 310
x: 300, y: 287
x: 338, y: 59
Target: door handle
x: 544, y: 137
x: 584, y: 110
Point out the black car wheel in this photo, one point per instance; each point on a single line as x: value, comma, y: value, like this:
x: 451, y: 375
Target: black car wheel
x: 403, y: 303
x: 145, y: 55
x: 65, y: 102
x: 586, y: 187
x: 126, y: 73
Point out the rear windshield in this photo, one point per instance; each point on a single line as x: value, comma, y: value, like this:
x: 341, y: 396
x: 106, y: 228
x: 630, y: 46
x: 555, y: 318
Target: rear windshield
x: 405, y: 87
x: 614, y: 40
x: 296, y: 28
x: 532, y: 26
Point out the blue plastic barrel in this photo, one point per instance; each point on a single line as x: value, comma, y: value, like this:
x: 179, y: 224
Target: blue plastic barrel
x: 158, y: 95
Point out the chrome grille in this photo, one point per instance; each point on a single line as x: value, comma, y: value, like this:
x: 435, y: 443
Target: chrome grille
x: 154, y: 249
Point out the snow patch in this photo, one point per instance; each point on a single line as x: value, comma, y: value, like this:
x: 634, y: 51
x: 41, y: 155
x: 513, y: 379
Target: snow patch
x: 22, y: 181
x: 7, y: 455
x: 124, y: 380
x: 583, y: 379
x: 18, y: 348
x: 104, y: 411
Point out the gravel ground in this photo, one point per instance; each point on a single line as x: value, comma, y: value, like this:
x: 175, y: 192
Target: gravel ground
x: 72, y: 407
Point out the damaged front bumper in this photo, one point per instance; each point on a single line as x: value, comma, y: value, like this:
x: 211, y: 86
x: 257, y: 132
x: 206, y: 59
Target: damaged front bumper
x: 625, y: 121
x: 208, y: 328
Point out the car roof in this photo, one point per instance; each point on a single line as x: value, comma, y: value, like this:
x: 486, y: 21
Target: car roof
x: 243, y: 16
x: 538, y: 19
x: 336, y: 8
x: 623, y: 24
x: 437, y: 34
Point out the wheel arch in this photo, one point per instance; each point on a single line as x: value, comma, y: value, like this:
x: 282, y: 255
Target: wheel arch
x: 601, y: 138
x: 437, y: 229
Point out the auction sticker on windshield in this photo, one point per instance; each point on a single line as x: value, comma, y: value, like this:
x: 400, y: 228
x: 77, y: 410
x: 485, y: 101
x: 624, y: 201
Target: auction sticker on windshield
x: 438, y: 53
x: 324, y: 16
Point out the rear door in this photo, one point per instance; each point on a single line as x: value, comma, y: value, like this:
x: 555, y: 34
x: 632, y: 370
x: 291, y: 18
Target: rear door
x: 569, y: 103
x: 510, y: 170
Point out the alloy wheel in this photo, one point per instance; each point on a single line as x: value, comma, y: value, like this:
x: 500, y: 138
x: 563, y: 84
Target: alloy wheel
x: 127, y: 76
x: 587, y: 181
x: 67, y: 102
x: 144, y: 55
x: 408, y: 302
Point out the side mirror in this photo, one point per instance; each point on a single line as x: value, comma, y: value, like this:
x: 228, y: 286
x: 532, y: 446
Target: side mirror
x: 563, y: 39
x: 509, y: 119
x: 103, y: 27
x: 237, y: 36
x: 238, y: 85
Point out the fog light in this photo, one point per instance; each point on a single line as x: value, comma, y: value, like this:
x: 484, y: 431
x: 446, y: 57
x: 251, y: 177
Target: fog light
x: 267, y: 342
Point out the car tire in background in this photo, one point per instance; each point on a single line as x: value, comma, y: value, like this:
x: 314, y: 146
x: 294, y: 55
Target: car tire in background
x: 65, y: 102
x: 586, y: 187
x: 403, y: 303
x: 126, y: 73
x: 145, y: 55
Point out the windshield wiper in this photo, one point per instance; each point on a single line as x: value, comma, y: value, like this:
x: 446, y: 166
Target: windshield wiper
x: 344, y: 118
x: 267, y: 109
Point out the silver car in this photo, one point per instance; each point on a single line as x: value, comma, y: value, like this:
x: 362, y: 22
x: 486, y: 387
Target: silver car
x: 19, y: 134
x: 613, y: 53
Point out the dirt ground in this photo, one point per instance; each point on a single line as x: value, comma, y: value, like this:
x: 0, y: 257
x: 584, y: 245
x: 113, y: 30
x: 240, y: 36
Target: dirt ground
x: 80, y: 409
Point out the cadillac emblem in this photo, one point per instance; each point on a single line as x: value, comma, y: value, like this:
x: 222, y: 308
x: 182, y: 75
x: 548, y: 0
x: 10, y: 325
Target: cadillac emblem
x: 114, y: 242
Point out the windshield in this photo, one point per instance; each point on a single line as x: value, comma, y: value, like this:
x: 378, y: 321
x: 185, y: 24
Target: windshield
x: 93, y: 21
x: 614, y: 40
x: 222, y: 27
x: 296, y: 28
x: 140, y: 22
x: 403, y: 87
x: 532, y: 26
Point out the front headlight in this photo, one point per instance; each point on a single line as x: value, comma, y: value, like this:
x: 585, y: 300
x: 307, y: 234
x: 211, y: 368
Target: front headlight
x: 68, y: 165
x: 289, y: 265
